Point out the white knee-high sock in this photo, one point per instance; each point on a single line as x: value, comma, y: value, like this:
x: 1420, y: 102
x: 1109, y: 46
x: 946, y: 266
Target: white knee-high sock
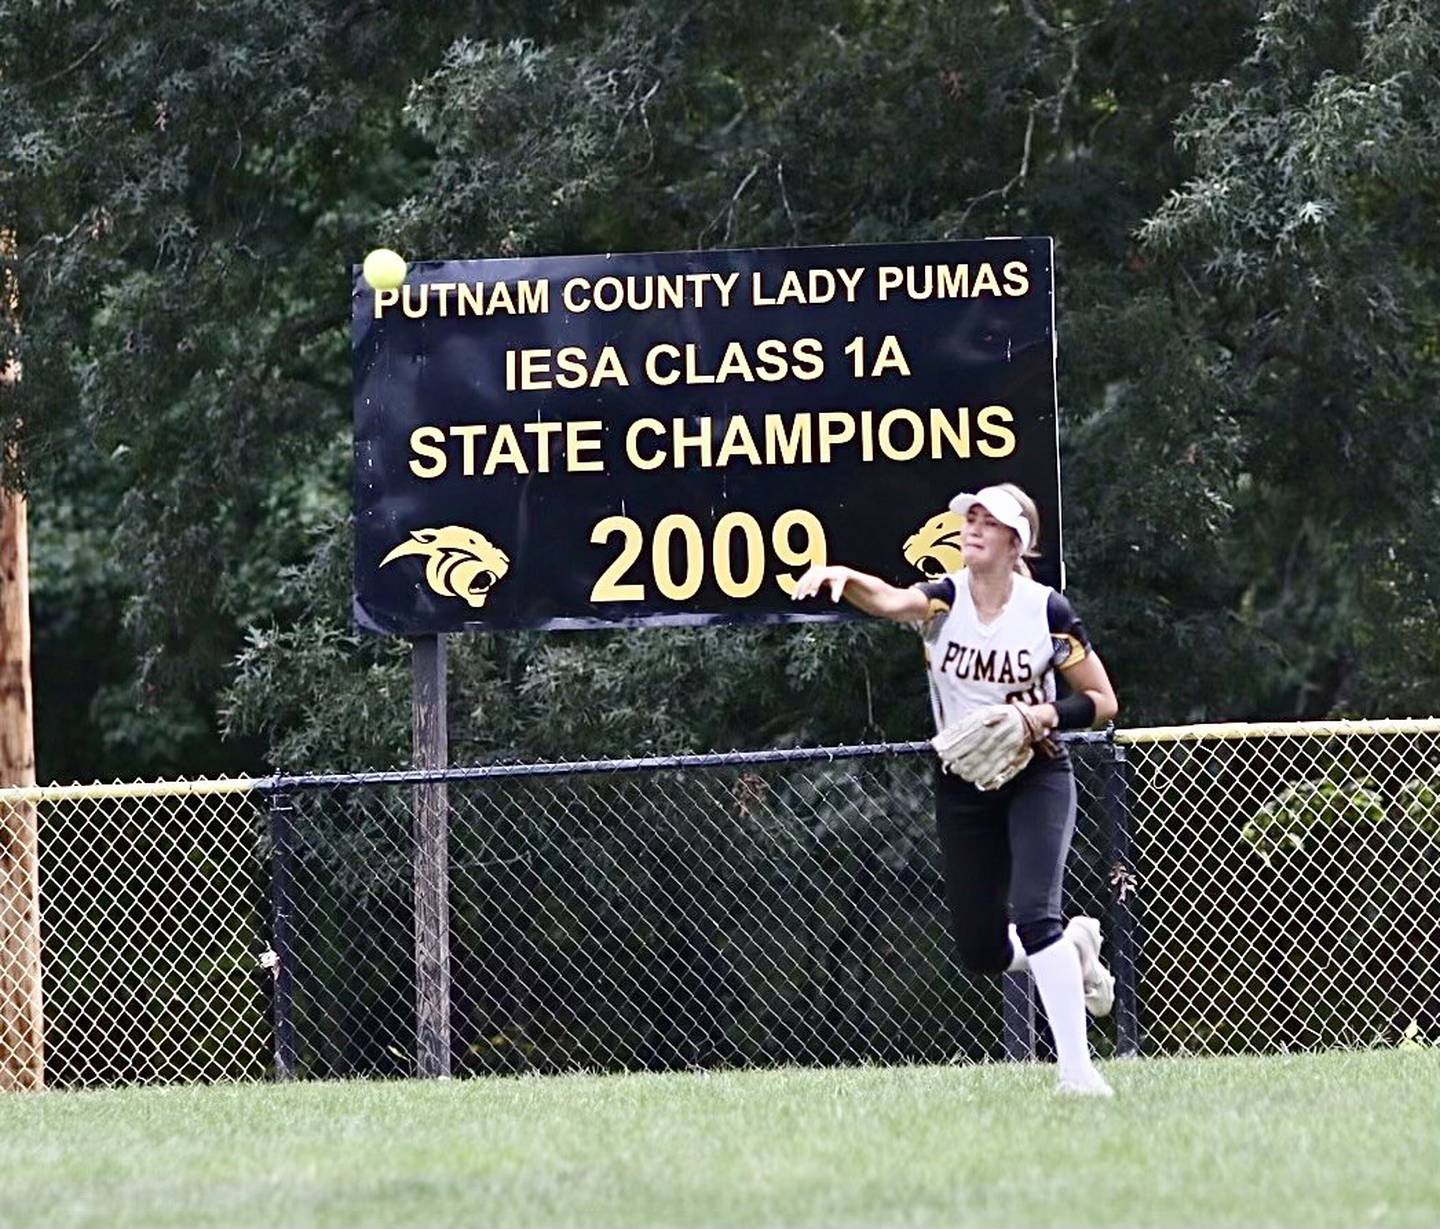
x: 1056, y: 970
x: 1019, y: 961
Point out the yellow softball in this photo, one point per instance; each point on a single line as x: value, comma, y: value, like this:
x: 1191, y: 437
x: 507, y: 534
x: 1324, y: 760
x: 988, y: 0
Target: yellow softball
x: 384, y: 269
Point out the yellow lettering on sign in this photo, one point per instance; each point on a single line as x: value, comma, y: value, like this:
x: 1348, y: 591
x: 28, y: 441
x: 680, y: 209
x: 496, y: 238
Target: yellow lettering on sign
x: 424, y: 443
x: 678, y: 537
x: 505, y: 451
x: 500, y: 300
x: 836, y: 427
x: 985, y: 279
x: 738, y: 440
x: 911, y: 420
x: 734, y: 363
x: 571, y: 369
x: 699, y: 439
x: 468, y: 433
x: 791, y: 449
x: 632, y: 443
x: 807, y: 360
x: 578, y: 442
x: 942, y: 430
x: 542, y: 430
x: 652, y: 364
x: 989, y: 420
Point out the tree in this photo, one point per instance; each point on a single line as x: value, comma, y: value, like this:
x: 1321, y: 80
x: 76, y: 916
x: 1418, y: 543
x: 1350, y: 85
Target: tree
x: 1302, y: 260
x: 661, y: 125
x: 189, y: 188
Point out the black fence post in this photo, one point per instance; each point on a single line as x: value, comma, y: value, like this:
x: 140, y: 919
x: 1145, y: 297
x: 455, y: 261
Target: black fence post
x: 282, y: 947
x: 1124, y: 929
x: 1017, y: 1011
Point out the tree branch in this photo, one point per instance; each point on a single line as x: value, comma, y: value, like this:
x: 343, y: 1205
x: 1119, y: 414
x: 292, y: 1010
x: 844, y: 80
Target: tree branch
x: 785, y: 201
x: 1018, y: 178
x: 1032, y: 14
x: 729, y: 209
x: 350, y: 15
x: 70, y: 68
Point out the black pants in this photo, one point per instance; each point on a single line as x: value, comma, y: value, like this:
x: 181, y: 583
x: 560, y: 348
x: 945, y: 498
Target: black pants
x: 1004, y: 855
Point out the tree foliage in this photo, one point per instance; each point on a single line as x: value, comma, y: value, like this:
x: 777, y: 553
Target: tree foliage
x: 1302, y: 255
x: 1244, y: 199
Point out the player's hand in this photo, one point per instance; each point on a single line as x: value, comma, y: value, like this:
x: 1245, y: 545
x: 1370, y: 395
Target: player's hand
x: 817, y: 577
x: 1040, y: 718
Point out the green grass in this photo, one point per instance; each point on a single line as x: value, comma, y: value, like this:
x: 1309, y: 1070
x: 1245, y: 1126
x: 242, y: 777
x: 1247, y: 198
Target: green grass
x: 1334, y: 1139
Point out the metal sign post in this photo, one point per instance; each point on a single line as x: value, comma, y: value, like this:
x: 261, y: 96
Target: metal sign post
x: 431, y: 861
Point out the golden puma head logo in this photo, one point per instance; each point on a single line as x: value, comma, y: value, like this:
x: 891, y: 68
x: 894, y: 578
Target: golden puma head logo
x: 935, y: 547
x: 459, y: 562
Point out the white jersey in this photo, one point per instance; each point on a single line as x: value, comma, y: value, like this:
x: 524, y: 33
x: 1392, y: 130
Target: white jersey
x: 972, y: 664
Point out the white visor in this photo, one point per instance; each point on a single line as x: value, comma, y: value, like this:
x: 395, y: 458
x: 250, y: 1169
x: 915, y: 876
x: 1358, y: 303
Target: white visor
x: 1000, y: 504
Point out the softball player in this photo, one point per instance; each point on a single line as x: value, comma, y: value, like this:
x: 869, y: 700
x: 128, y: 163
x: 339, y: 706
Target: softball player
x: 994, y: 637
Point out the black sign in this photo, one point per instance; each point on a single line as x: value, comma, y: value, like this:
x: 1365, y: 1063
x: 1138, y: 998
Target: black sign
x: 672, y: 438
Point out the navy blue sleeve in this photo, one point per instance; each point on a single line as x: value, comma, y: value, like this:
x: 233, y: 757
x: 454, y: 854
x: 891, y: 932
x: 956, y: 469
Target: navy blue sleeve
x: 941, y: 596
x: 1068, y: 637
x: 942, y: 591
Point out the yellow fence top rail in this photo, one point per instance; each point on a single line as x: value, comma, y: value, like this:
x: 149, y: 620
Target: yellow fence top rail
x: 125, y: 789
x: 1216, y: 732
x: 1278, y: 729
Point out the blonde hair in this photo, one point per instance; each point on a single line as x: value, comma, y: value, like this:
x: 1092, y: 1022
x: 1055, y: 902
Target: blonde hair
x: 1032, y: 514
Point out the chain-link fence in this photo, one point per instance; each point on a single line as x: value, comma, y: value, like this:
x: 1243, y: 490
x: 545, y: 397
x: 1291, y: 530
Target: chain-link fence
x: 1289, y: 885
x: 1258, y: 893
x: 705, y: 911
x: 151, y: 917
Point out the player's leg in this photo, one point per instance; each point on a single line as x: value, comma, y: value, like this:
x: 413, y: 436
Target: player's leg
x: 975, y: 858
x: 1041, y: 823
x: 1084, y: 933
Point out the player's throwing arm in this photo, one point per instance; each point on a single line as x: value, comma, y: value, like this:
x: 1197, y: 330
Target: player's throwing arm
x: 863, y: 591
